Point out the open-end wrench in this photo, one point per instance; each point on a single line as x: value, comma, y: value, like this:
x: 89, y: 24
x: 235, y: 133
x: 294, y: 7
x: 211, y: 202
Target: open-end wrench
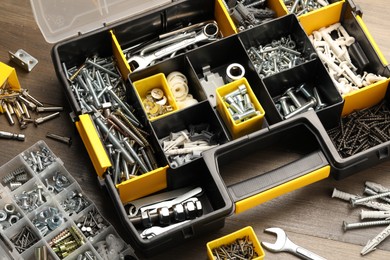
x: 283, y: 244
x: 209, y: 32
x: 156, y: 230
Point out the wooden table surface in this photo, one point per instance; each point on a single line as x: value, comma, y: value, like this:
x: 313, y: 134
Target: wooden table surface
x: 310, y: 217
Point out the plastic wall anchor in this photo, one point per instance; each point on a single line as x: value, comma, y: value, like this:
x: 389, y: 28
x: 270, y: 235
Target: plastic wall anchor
x: 374, y: 214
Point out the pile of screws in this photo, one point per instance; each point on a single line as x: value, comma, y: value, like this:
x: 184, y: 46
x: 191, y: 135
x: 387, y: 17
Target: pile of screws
x: 99, y: 90
x: 74, y: 203
x: 30, y: 200
x: 248, y: 13
x: 8, y: 216
x: 239, y: 105
x: 66, y: 242
x: 20, y: 103
x: 239, y: 249
x: 375, y: 191
x: 290, y: 105
x: 156, y: 103
x: 40, y: 159
x: 58, y: 182
x: 110, y: 248
x: 16, y: 178
x: 299, y: 7
x: 276, y: 56
x: 92, y: 223
x: 48, y: 219
x: 343, y: 58
x: 24, y: 239
x: 362, y: 130
x: 188, y: 145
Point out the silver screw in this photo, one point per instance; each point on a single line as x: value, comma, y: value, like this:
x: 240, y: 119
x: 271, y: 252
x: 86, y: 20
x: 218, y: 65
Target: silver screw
x: 320, y: 104
x: 283, y: 103
x: 290, y: 92
x: 303, y: 108
x: 63, y: 139
x: 371, y: 192
x: 357, y: 201
x: 41, y: 120
x: 302, y: 88
x: 349, y: 226
x: 49, y: 109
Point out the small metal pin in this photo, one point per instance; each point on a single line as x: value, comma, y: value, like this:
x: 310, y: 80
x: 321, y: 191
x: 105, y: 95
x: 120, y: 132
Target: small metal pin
x: 41, y: 120
x: 62, y: 139
x: 49, y: 109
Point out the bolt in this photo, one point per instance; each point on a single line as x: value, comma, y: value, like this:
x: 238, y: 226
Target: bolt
x: 283, y: 103
x: 302, y: 88
x: 41, y: 120
x: 49, y: 109
x: 320, y: 104
x: 63, y: 139
x: 303, y: 108
x: 233, y: 105
x: 348, y: 226
x: 290, y: 92
x: 245, y: 115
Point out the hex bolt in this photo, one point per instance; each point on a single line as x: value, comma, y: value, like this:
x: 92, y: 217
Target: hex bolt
x: 284, y: 105
x: 233, y: 105
x: 358, y: 201
x: 303, y: 108
x: 349, y: 226
x: 62, y: 139
x: 290, y: 92
x: 41, y: 120
x: 245, y: 115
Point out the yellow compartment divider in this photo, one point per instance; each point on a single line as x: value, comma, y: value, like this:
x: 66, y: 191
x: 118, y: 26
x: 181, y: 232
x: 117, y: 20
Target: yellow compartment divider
x: 8, y: 73
x: 225, y: 22
x: 371, y: 39
x: 365, y: 97
x: 278, y: 6
x: 93, y: 144
x: 322, y: 17
x: 295, y: 184
x: 143, y: 185
x: 122, y: 63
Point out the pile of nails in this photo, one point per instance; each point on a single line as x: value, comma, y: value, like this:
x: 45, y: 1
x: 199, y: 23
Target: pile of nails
x: 240, y: 249
x: 8, y: 216
x: 290, y: 105
x: 248, y: 13
x: 16, y: 178
x: 299, y: 7
x: 24, y: 239
x: 276, y: 56
x: 40, y: 159
x: 361, y: 130
x: 382, y: 207
x: 19, y: 103
x: 32, y: 199
x: 343, y: 57
x: 100, y: 91
x: 188, y: 145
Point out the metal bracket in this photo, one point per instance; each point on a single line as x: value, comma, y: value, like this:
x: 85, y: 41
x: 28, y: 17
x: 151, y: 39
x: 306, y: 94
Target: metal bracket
x: 23, y: 59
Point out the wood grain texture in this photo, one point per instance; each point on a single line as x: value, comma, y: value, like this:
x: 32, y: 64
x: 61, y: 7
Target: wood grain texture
x: 309, y: 215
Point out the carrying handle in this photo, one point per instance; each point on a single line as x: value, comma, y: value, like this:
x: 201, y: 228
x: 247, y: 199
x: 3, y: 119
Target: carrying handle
x: 259, y: 189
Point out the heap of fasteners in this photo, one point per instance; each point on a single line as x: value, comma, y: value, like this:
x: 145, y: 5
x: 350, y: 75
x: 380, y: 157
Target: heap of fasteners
x: 187, y: 145
x: 74, y: 203
x: 343, y: 57
x: 39, y: 159
x: 248, y: 13
x: 24, y: 239
x: 110, y: 248
x: 240, y: 249
x: 19, y: 103
x: 290, y: 105
x: 66, y: 242
x: 178, y: 84
x: 47, y: 219
x: 239, y: 105
x: 276, y: 56
x: 300, y: 7
x: 100, y: 91
x: 91, y: 223
x: 16, y: 178
x: 362, y: 130
x: 29, y: 200
x: 375, y: 191
x: 8, y: 216
x: 57, y: 183
x: 156, y: 103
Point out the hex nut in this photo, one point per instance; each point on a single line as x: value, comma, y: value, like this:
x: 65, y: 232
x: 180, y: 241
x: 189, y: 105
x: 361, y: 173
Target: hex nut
x: 9, y: 208
x: 146, y: 219
x: 163, y: 216
x: 190, y: 210
x: 3, y: 215
x: 199, y: 208
x: 178, y: 212
x: 13, y: 219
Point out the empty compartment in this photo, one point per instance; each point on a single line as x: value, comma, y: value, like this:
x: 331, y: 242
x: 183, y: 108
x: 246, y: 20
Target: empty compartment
x: 184, y: 135
x: 277, y: 45
x: 239, y: 108
x: 295, y: 89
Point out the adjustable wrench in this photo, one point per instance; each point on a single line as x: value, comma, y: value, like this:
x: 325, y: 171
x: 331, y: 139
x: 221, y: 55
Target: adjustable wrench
x: 209, y: 32
x: 283, y: 244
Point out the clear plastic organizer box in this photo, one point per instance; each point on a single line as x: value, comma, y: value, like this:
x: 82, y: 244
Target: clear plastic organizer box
x: 44, y: 211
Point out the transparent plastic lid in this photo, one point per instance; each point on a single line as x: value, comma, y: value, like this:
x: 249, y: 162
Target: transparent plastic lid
x: 62, y: 19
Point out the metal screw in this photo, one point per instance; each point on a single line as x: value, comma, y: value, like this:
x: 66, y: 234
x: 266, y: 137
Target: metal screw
x: 63, y: 139
x: 304, y: 91
x: 371, y: 192
x: 303, y: 108
x: 41, y: 120
x: 349, y: 226
x: 49, y: 109
x: 358, y: 201
x: 283, y: 103
x: 290, y: 92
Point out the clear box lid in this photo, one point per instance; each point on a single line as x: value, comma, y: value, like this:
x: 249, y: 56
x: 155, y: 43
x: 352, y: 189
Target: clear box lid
x: 62, y: 19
